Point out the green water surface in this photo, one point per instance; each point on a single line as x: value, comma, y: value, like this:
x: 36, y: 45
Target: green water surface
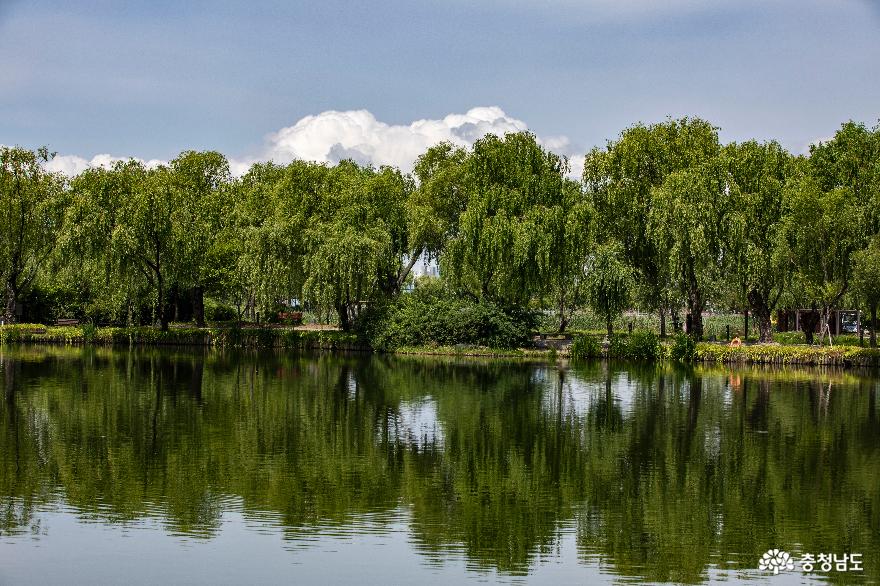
x: 154, y: 466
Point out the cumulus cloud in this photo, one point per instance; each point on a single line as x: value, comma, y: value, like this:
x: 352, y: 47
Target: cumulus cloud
x: 71, y: 165
x: 332, y: 136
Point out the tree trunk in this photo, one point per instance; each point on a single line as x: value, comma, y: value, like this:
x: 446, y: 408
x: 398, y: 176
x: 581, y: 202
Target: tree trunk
x: 765, y: 329
x: 344, y: 321
x: 662, y: 322
x: 563, y: 321
x: 676, y: 323
x: 161, y: 314
x: 198, y: 301
x: 808, y: 325
x: 746, y: 325
x: 824, y: 324
x: 762, y: 311
x: 608, y: 323
x: 174, y: 294
x: 11, y: 301
x: 873, y: 340
x: 695, y: 319
x: 698, y: 324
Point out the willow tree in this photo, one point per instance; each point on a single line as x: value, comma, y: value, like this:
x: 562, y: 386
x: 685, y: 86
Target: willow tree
x: 620, y: 181
x: 200, y: 189
x: 30, y: 218
x: 522, y: 216
x: 689, y: 220
x: 97, y: 255
x: 851, y: 160
x: 265, y: 236
x: 823, y: 229
x: 436, y: 204
x: 144, y: 234
x: 866, y: 281
x: 354, y: 238
x: 609, y: 283
x: 757, y: 252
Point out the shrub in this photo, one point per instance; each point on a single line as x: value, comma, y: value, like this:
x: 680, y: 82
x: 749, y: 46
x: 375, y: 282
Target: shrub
x: 431, y: 316
x: 617, y: 346
x: 89, y: 332
x: 215, y: 311
x: 584, y: 347
x: 683, y: 348
x: 643, y: 345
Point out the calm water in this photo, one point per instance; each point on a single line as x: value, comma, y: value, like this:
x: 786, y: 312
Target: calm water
x: 167, y: 467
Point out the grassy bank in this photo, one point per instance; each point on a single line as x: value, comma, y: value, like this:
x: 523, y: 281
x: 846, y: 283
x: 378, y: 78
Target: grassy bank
x: 224, y: 337
x: 636, y: 348
x: 840, y: 356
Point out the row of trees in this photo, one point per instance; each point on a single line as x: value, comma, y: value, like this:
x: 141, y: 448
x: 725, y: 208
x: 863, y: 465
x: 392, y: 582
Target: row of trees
x: 666, y: 218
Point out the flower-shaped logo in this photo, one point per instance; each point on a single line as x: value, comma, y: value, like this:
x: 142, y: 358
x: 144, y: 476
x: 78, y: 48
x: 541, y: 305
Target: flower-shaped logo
x: 776, y: 560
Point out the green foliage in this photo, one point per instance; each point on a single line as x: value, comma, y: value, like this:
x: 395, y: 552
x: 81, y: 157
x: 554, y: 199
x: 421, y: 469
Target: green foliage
x: 689, y: 223
x: 617, y: 346
x: 431, y: 315
x: 232, y: 337
x: 756, y: 250
x: 609, y: 283
x: 823, y: 231
x: 840, y: 356
x: 89, y: 333
x: 524, y: 227
x: 585, y: 347
x: 866, y: 282
x: 217, y: 311
x: 666, y: 218
x: 683, y: 348
x: 866, y: 273
x: 789, y: 338
x: 31, y: 204
x: 621, y: 181
x: 644, y: 346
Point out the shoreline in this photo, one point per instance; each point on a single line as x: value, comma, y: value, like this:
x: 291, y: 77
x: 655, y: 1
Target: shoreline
x: 335, y: 340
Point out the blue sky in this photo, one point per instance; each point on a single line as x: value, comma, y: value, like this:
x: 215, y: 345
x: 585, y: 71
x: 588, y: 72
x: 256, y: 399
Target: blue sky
x: 88, y: 78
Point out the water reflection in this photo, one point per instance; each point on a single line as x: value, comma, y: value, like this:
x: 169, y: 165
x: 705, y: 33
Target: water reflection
x: 654, y: 474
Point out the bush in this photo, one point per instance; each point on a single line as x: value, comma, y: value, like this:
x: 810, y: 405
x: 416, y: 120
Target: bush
x: 89, y: 332
x: 216, y: 311
x: 799, y: 338
x: 683, y: 348
x: 643, y: 345
x: 617, y: 346
x: 584, y: 347
x: 431, y: 316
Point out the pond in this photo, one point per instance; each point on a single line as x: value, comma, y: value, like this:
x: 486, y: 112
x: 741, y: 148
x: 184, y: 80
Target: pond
x: 156, y: 466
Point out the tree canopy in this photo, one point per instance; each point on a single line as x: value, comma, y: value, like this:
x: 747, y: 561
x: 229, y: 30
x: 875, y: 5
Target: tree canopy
x: 681, y: 219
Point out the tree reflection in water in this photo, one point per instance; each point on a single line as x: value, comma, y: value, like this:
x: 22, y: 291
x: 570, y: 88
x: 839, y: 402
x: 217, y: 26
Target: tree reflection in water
x: 662, y: 472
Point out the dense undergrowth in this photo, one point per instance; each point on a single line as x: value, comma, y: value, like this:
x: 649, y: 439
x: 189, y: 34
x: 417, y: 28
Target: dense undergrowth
x: 431, y: 317
x: 216, y: 336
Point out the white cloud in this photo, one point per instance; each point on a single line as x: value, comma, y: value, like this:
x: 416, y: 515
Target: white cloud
x: 71, y: 165
x: 332, y: 136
